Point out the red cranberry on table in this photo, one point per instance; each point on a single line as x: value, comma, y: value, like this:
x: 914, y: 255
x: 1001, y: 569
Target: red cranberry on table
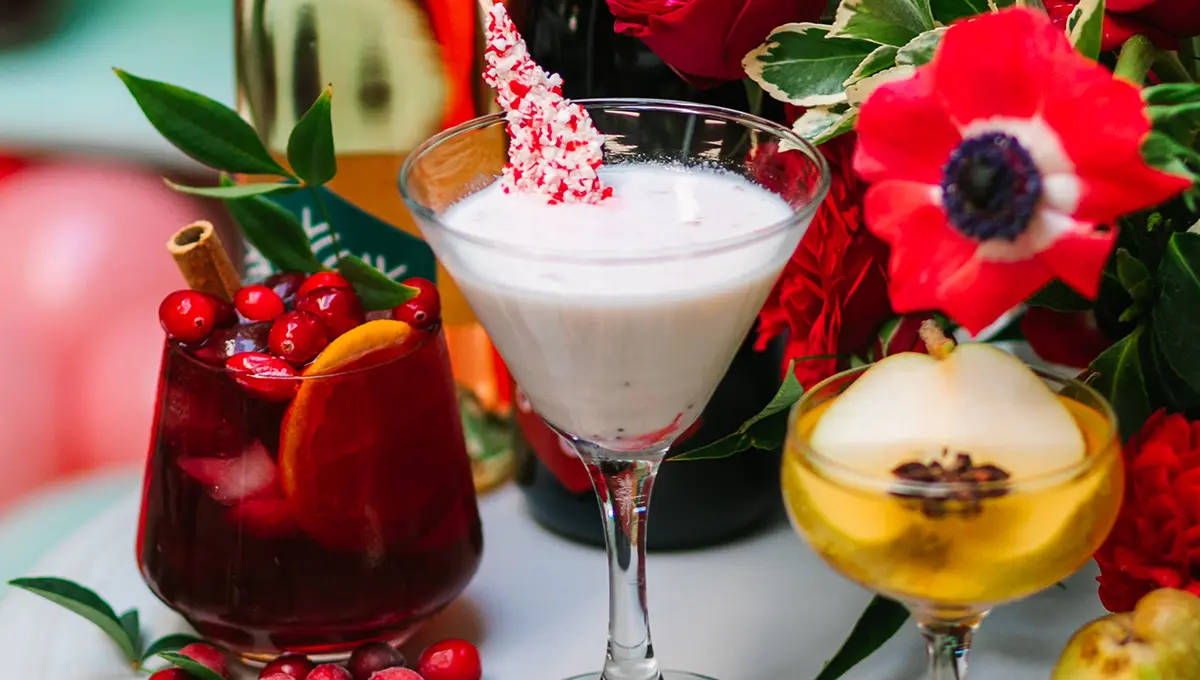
x: 323, y: 280
x: 423, y: 310
x: 208, y: 656
x: 338, y: 308
x: 286, y: 285
x: 372, y: 657
x: 294, y: 666
x: 191, y: 316
x: 264, y: 375
x: 172, y: 674
x: 450, y: 660
x: 329, y: 671
x: 298, y: 336
x: 396, y: 674
x: 258, y: 303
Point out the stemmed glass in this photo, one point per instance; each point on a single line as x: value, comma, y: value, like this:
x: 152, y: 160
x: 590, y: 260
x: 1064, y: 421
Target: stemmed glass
x: 640, y: 337
x: 951, y: 551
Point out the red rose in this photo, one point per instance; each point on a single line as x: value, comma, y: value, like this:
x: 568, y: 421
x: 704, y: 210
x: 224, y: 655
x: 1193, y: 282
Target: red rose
x: 1067, y: 338
x: 832, y: 295
x: 1156, y: 541
x: 1163, y: 21
x: 705, y: 40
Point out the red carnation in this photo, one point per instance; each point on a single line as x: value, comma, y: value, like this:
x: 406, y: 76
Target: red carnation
x: 832, y: 295
x: 1156, y: 541
x: 991, y: 174
x: 705, y: 40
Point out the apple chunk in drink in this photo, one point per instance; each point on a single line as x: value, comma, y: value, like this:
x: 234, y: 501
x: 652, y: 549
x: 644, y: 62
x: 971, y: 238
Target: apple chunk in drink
x: 308, y: 487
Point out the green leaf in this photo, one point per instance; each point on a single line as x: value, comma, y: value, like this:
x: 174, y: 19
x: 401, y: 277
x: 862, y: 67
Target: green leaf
x: 206, y: 130
x: 886, y: 22
x: 1165, y: 387
x: 1085, y: 27
x: 765, y: 430
x: 375, y: 290
x: 170, y: 643
x: 198, y: 670
x: 310, y: 146
x: 919, y: 51
x: 131, y: 623
x: 798, y: 64
x: 819, y: 124
x: 1166, y: 113
x: 1061, y: 298
x: 1133, y: 274
x: 946, y: 11
x: 83, y: 602
x: 1177, y: 310
x: 274, y: 231
x: 859, y: 91
x: 1117, y: 374
x: 881, y: 58
x: 1171, y: 93
x: 881, y: 620
x: 235, y: 190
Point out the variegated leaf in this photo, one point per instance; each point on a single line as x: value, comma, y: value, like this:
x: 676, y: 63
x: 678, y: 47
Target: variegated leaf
x: 886, y: 22
x: 919, y: 51
x: 1085, y: 27
x: 801, y: 65
x: 822, y: 123
x: 858, y: 93
x: 881, y: 58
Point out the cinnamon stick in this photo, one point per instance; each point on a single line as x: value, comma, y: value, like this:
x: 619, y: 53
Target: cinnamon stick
x: 203, y: 261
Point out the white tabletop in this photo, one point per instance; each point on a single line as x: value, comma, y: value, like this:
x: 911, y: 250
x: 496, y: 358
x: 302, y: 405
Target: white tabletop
x: 764, y: 608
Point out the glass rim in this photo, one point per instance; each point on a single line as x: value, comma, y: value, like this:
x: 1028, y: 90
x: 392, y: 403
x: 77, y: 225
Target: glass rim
x: 424, y: 337
x: 750, y: 121
x: 859, y: 479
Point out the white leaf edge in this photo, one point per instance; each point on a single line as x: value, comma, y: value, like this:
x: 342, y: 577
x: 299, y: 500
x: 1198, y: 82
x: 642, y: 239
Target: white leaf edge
x: 858, y: 93
x: 1081, y: 17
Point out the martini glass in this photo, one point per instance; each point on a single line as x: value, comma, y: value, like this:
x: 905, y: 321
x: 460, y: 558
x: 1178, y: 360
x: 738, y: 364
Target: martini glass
x: 951, y: 551
x: 621, y: 361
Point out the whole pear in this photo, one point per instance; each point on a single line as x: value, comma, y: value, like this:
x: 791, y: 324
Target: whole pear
x: 1158, y: 640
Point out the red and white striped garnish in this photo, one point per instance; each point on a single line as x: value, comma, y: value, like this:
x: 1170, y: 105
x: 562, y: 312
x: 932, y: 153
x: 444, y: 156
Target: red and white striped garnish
x: 555, y: 150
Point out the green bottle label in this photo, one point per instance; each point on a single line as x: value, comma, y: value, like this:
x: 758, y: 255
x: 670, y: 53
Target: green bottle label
x: 398, y: 254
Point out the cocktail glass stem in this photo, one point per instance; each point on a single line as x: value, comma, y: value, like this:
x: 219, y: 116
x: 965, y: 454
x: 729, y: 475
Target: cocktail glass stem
x: 949, y: 645
x: 623, y: 482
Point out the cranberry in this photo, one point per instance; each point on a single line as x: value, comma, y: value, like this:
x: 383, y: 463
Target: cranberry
x: 286, y: 285
x: 258, y: 303
x: 279, y: 676
x: 372, y: 657
x: 297, y: 336
x: 263, y: 375
x: 226, y: 342
x: 295, y: 666
x: 329, y: 671
x: 396, y: 674
x: 323, y: 280
x: 339, y: 308
x: 208, y: 656
x: 191, y: 316
x: 172, y: 674
x: 450, y: 660
x: 422, y: 311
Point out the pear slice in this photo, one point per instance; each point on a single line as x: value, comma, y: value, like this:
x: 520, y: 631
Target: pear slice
x: 978, y: 400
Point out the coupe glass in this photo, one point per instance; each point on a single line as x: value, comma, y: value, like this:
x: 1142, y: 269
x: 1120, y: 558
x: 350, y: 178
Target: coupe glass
x: 571, y: 353
x: 952, y: 551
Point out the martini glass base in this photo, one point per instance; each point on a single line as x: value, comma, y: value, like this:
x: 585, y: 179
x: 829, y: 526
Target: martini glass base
x: 666, y: 675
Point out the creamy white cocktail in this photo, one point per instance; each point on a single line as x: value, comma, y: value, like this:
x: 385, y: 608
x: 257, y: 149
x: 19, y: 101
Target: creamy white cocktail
x: 622, y: 351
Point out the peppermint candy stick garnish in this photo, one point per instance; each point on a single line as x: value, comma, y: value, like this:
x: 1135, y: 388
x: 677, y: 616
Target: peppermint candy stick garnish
x: 555, y: 151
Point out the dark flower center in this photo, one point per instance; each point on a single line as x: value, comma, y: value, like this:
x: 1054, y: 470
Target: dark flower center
x: 990, y: 187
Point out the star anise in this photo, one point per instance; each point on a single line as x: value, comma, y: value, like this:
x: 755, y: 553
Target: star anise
x: 958, y: 488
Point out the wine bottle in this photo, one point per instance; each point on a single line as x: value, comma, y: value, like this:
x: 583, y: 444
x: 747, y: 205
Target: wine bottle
x: 698, y: 503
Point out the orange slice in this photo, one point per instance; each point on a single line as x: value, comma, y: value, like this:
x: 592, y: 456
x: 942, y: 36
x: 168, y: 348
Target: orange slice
x: 327, y: 436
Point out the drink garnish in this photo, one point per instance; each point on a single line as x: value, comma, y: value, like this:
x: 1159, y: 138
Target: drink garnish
x: 555, y: 150
x: 957, y: 487
x: 203, y: 260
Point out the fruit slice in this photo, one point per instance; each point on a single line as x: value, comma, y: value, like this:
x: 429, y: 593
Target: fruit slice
x: 370, y: 458
x: 236, y: 480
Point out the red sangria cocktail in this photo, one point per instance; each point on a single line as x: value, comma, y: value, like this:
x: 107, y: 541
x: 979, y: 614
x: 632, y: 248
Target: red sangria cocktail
x: 307, y: 488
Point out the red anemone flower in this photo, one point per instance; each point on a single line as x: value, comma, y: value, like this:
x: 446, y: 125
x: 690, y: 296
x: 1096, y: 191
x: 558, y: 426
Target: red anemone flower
x: 1001, y: 165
